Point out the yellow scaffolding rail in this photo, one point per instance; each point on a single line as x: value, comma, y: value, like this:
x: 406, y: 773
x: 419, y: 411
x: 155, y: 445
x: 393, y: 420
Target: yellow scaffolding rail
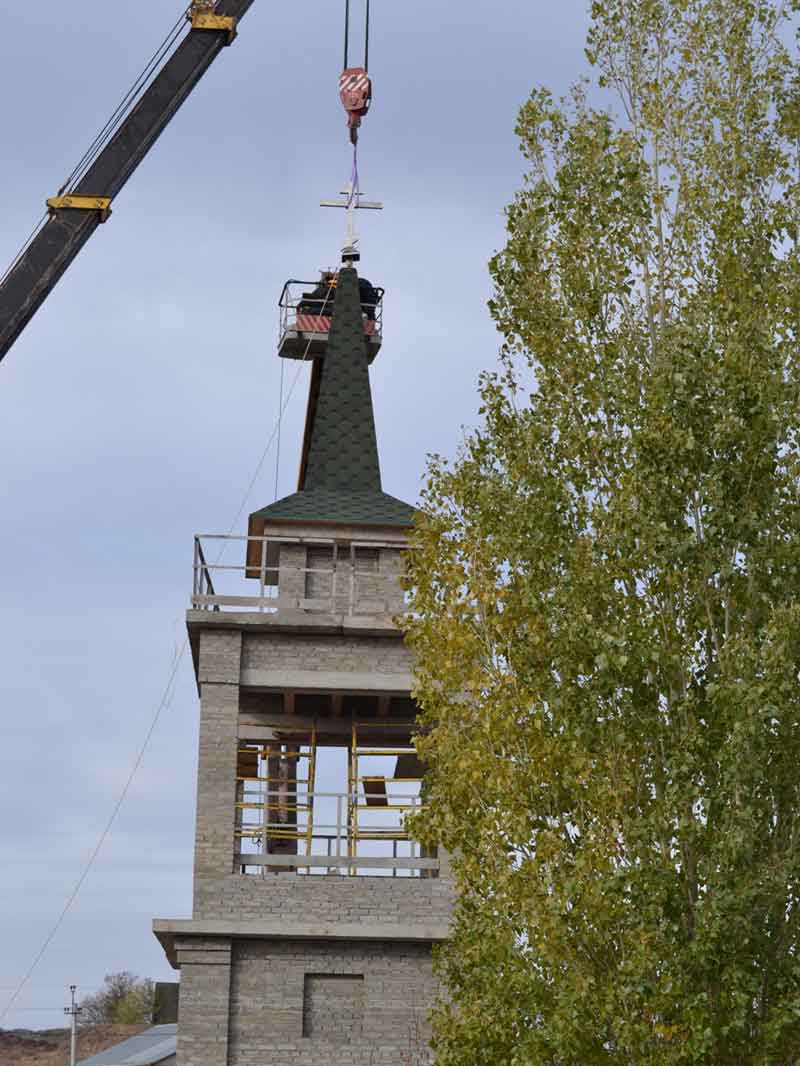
x: 373, y: 787
x: 273, y: 807
x: 269, y: 829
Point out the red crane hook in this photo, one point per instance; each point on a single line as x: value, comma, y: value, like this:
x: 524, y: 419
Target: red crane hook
x: 355, y: 92
x: 355, y: 86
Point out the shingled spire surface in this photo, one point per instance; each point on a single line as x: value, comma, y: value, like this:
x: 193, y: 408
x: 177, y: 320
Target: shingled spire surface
x: 341, y: 480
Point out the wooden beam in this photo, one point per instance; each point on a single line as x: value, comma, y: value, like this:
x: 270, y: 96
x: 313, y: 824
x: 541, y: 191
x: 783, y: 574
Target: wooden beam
x: 365, y: 862
x: 375, y: 791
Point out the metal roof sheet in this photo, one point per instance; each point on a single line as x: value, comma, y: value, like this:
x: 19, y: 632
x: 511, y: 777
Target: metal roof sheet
x: 150, y: 1048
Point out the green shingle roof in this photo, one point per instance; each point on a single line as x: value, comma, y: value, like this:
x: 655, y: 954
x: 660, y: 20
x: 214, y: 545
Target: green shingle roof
x: 342, y: 478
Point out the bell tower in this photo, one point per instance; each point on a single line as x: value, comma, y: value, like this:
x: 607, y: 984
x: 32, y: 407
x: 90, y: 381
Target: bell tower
x: 314, y: 910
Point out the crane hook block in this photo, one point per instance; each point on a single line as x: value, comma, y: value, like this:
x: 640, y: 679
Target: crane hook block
x: 102, y: 204
x: 355, y: 92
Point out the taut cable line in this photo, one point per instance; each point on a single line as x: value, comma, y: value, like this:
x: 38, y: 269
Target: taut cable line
x: 163, y: 703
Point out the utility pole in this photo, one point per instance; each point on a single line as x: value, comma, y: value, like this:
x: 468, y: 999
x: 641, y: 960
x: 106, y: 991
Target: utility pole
x: 73, y: 1010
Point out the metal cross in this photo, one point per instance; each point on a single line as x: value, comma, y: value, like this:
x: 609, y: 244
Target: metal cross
x: 352, y: 203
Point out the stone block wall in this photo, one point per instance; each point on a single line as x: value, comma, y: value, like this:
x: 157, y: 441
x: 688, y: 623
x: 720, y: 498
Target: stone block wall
x: 294, y: 897
x: 326, y: 653
x: 204, y: 1017
x: 290, y: 1001
x: 223, y: 656
x: 291, y: 573
x: 269, y: 977
x: 376, y: 579
x: 218, y: 674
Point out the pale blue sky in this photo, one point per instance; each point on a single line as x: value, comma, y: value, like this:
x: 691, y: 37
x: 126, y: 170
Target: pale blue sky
x: 134, y: 408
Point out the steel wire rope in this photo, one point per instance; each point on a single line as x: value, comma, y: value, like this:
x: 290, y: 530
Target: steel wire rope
x: 103, y: 137
x: 347, y: 35
x: 33, y: 234
x: 278, y: 446
x: 166, y: 699
x: 124, y: 107
x: 346, y: 31
x: 273, y: 435
x: 366, y: 41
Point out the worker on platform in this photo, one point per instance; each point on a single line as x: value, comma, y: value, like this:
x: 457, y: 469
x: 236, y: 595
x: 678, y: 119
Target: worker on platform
x: 320, y: 300
x: 369, y: 298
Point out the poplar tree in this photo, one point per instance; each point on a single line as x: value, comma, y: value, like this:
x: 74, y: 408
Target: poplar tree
x: 605, y: 586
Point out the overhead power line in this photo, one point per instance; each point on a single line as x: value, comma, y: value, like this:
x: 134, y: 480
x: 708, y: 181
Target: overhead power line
x: 163, y: 703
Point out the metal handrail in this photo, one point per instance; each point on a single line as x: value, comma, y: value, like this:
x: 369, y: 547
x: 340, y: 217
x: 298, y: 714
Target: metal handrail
x: 284, y: 301
x: 339, y: 841
x: 290, y: 303
x: 206, y: 573
x: 343, y: 587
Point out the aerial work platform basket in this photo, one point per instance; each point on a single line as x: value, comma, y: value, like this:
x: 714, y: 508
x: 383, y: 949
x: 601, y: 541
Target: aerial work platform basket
x: 306, y: 313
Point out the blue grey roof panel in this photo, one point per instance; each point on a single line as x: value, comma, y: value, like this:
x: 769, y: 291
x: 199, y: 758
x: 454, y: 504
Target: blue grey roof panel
x: 155, y: 1047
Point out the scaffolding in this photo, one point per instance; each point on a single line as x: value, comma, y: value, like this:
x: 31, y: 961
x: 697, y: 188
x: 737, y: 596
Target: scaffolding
x: 285, y: 824
x: 369, y: 795
x: 276, y: 812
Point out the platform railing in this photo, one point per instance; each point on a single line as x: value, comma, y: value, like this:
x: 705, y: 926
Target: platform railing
x: 303, y: 312
x: 315, y: 832
x: 238, y: 572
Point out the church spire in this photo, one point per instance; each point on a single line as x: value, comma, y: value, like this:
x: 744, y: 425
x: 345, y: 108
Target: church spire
x: 343, y: 448
x: 340, y: 478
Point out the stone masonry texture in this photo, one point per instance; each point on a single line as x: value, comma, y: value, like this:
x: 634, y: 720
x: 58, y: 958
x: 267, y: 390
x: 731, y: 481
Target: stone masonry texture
x: 276, y: 992
x: 298, y: 897
x: 356, y: 654
x: 333, y: 1007
x: 270, y: 988
x: 204, y: 1013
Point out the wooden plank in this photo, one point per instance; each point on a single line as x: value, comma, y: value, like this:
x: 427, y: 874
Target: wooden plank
x: 233, y: 601
x: 332, y: 732
x: 247, y: 763
x: 372, y: 862
x: 408, y: 765
x: 375, y: 791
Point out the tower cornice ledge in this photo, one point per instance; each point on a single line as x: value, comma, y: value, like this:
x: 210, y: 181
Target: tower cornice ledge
x: 168, y: 931
x: 296, y: 622
x: 290, y: 623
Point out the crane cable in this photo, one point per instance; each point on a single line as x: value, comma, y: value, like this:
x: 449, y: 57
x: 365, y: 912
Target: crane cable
x: 125, y: 105
x: 100, y: 141
x: 355, y: 86
x: 164, y: 702
x: 347, y: 36
x: 109, y: 130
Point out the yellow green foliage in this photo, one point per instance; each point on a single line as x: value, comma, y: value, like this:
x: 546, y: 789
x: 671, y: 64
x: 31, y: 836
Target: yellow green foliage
x: 606, y: 591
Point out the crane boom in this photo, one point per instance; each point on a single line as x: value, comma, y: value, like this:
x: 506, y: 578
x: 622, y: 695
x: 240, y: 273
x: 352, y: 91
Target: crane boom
x: 70, y: 224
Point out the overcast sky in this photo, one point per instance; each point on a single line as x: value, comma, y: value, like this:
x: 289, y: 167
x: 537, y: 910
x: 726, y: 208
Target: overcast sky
x: 136, y: 405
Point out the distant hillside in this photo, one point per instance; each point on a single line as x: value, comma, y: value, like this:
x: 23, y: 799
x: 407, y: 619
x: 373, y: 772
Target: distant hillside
x: 50, y: 1047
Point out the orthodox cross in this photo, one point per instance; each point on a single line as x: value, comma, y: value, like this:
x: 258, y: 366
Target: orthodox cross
x: 352, y: 202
